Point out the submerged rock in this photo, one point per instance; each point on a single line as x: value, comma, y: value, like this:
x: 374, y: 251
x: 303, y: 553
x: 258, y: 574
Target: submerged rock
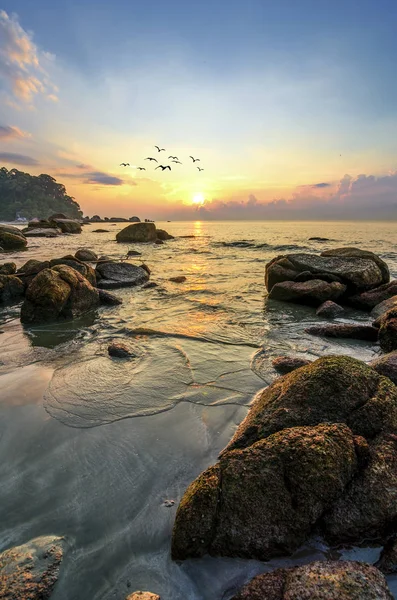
x: 100, y: 231
x: 321, y: 580
x: 387, y: 562
x: 345, y: 330
x: 84, y: 254
x: 119, y: 350
x: 312, y: 292
x: 386, y: 365
x: 30, y: 571
x: 117, y: 275
x: 11, y: 288
x: 12, y: 238
x: 134, y: 253
x: 47, y: 232
x: 58, y: 293
x: 287, y: 364
x: 329, y: 310
x: 178, y: 279
x: 108, y: 299
x: 319, y: 239
x: 138, y: 232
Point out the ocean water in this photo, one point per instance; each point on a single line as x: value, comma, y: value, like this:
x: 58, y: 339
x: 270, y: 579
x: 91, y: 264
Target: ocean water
x: 92, y: 447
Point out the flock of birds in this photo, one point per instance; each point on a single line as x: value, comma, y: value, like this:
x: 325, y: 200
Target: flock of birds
x: 173, y: 159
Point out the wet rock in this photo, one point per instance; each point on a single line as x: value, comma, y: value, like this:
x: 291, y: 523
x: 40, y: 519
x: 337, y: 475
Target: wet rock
x: 8, y: 269
x: 329, y: 310
x: 308, y: 276
x: 359, y: 272
x: 263, y: 501
x: 143, y: 596
x: 360, y: 254
x: 387, y: 562
x: 134, y: 253
x: 84, y: 254
x: 321, y: 580
x: 368, y: 300
x: 58, y: 293
x: 119, y: 350
x: 30, y: 571
x: 149, y: 285
x: 178, y: 279
x: 287, y: 364
x: 71, y: 261
x: 388, y: 330
x: 159, y: 242
x: 108, y: 299
x: 11, y: 289
x: 368, y: 509
x: 38, y: 223
x: 134, y: 219
x: 100, y: 231
x: 386, y: 365
x: 323, y: 392
x: 319, y: 239
x: 313, y: 292
x: 66, y: 225
x: 163, y: 235
x: 30, y: 269
x: 49, y: 232
x: 345, y: 330
x: 138, y: 232
x: 382, y: 308
x: 12, y: 238
x: 117, y: 275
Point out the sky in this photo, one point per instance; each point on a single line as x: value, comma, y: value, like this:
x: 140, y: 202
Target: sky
x: 291, y: 106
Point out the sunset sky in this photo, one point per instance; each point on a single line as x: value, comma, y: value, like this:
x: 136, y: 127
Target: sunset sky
x: 290, y: 105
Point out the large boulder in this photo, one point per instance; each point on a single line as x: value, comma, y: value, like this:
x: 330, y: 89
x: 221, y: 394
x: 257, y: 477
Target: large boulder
x: 117, y: 275
x: 12, y: 238
x: 314, y: 292
x: 66, y: 225
x: 163, y: 235
x: 46, y: 232
x: 264, y: 500
x: 345, y: 330
x: 368, y: 300
x: 359, y: 273
x: 30, y: 269
x: 78, y: 265
x: 358, y: 253
x: 11, y: 288
x: 138, y: 232
x: 386, y: 365
x: 325, y: 580
x: 30, y: 571
x: 58, y: 293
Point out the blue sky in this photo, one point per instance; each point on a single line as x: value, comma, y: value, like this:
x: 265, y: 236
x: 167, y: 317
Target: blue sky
x: 274, y: 96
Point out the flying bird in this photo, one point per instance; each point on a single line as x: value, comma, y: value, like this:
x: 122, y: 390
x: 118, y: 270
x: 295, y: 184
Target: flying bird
x: 194, y: 159
x: 177, y: 161
x: 124, y: 164
x: 174, y: 157
x: 148, y: 158
x: 141, y: 168
x: 163, y: 168
x: 160, y: 149
x: 199, y: 169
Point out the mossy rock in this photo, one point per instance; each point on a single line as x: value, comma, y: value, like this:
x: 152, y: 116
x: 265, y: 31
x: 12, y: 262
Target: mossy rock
x: 12, y: 241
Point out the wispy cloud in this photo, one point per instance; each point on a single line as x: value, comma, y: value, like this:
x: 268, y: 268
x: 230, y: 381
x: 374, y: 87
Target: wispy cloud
x: 7, y: 132
x: 321, y: 185
x: 17, y: 159
x: 22, y: 69
x: 93, y: 177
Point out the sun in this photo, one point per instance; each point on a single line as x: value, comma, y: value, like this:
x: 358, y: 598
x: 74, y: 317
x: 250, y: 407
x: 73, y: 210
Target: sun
x: 198, y: 198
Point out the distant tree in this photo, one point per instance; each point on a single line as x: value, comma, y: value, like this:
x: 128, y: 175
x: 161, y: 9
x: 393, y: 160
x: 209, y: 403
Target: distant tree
x: 29, y: 196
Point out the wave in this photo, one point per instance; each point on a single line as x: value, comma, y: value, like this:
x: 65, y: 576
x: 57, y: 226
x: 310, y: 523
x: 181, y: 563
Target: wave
x: 261, y: 246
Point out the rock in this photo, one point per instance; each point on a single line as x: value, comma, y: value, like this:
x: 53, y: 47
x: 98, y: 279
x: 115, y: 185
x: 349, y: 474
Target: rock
x: 329, y: 310
x: 58, y: 293
x: 30, y: 571
x: 8, y: 269
x: 358, y: 253
x: 368, y: 509
x: 322, y: 392
x: 71, y: 261
x: 319, y: 239
x: 101, y: 231
x: 313, y: 292
x: 178, y: 279
x: 321, y: 580
x: 383, y: 307
x: 149, y: 285
x: 67, y: 225
x: 119, y: 350
x: 287, y: 364
x: 359, y: 272
x: 105, y: 258
x: 388, y: 330
x: 30, y: 269
x: 264, y: 500
x: 387, y: 562
x: 86, y: 255
x: 345, y: 330
x: 308, y: 276
x: 58, y: 216
x: 134, y: 253
x: 143, y: 596
x: 368, y: 300
x: 118, y: 275
x: 386, y: 365
x: 159, y: 242
x: 39, y: 223
x: 108, y: 299
x: 163, y: 235
x: 12, y: 238
x: 49, y: 232
x: 11, y: 288
x: 134, y: 219
x: 138, y: 232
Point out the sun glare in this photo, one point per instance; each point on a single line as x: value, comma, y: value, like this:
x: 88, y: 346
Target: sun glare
x: 198, y: 198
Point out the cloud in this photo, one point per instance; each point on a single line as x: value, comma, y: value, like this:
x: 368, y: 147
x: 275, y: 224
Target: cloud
x: 102, y: 178
x: 21, y: 63
x: 7, y: 132
x: 321, y: 185
x: 17, y: 159
x: 83, y: 167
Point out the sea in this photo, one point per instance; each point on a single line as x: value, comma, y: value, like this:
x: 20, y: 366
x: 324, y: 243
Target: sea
x: 101, y: 451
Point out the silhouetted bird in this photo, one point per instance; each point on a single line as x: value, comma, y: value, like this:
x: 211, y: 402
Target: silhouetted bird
x: 141, y: 168
x: 199, y: 169
x: 194, y: 159
x: 163, y: 168
x: 177, y: 161
x: 174, y: 157
x: 148, y: 158
x: 124, y: 164
x: 160, y: 149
